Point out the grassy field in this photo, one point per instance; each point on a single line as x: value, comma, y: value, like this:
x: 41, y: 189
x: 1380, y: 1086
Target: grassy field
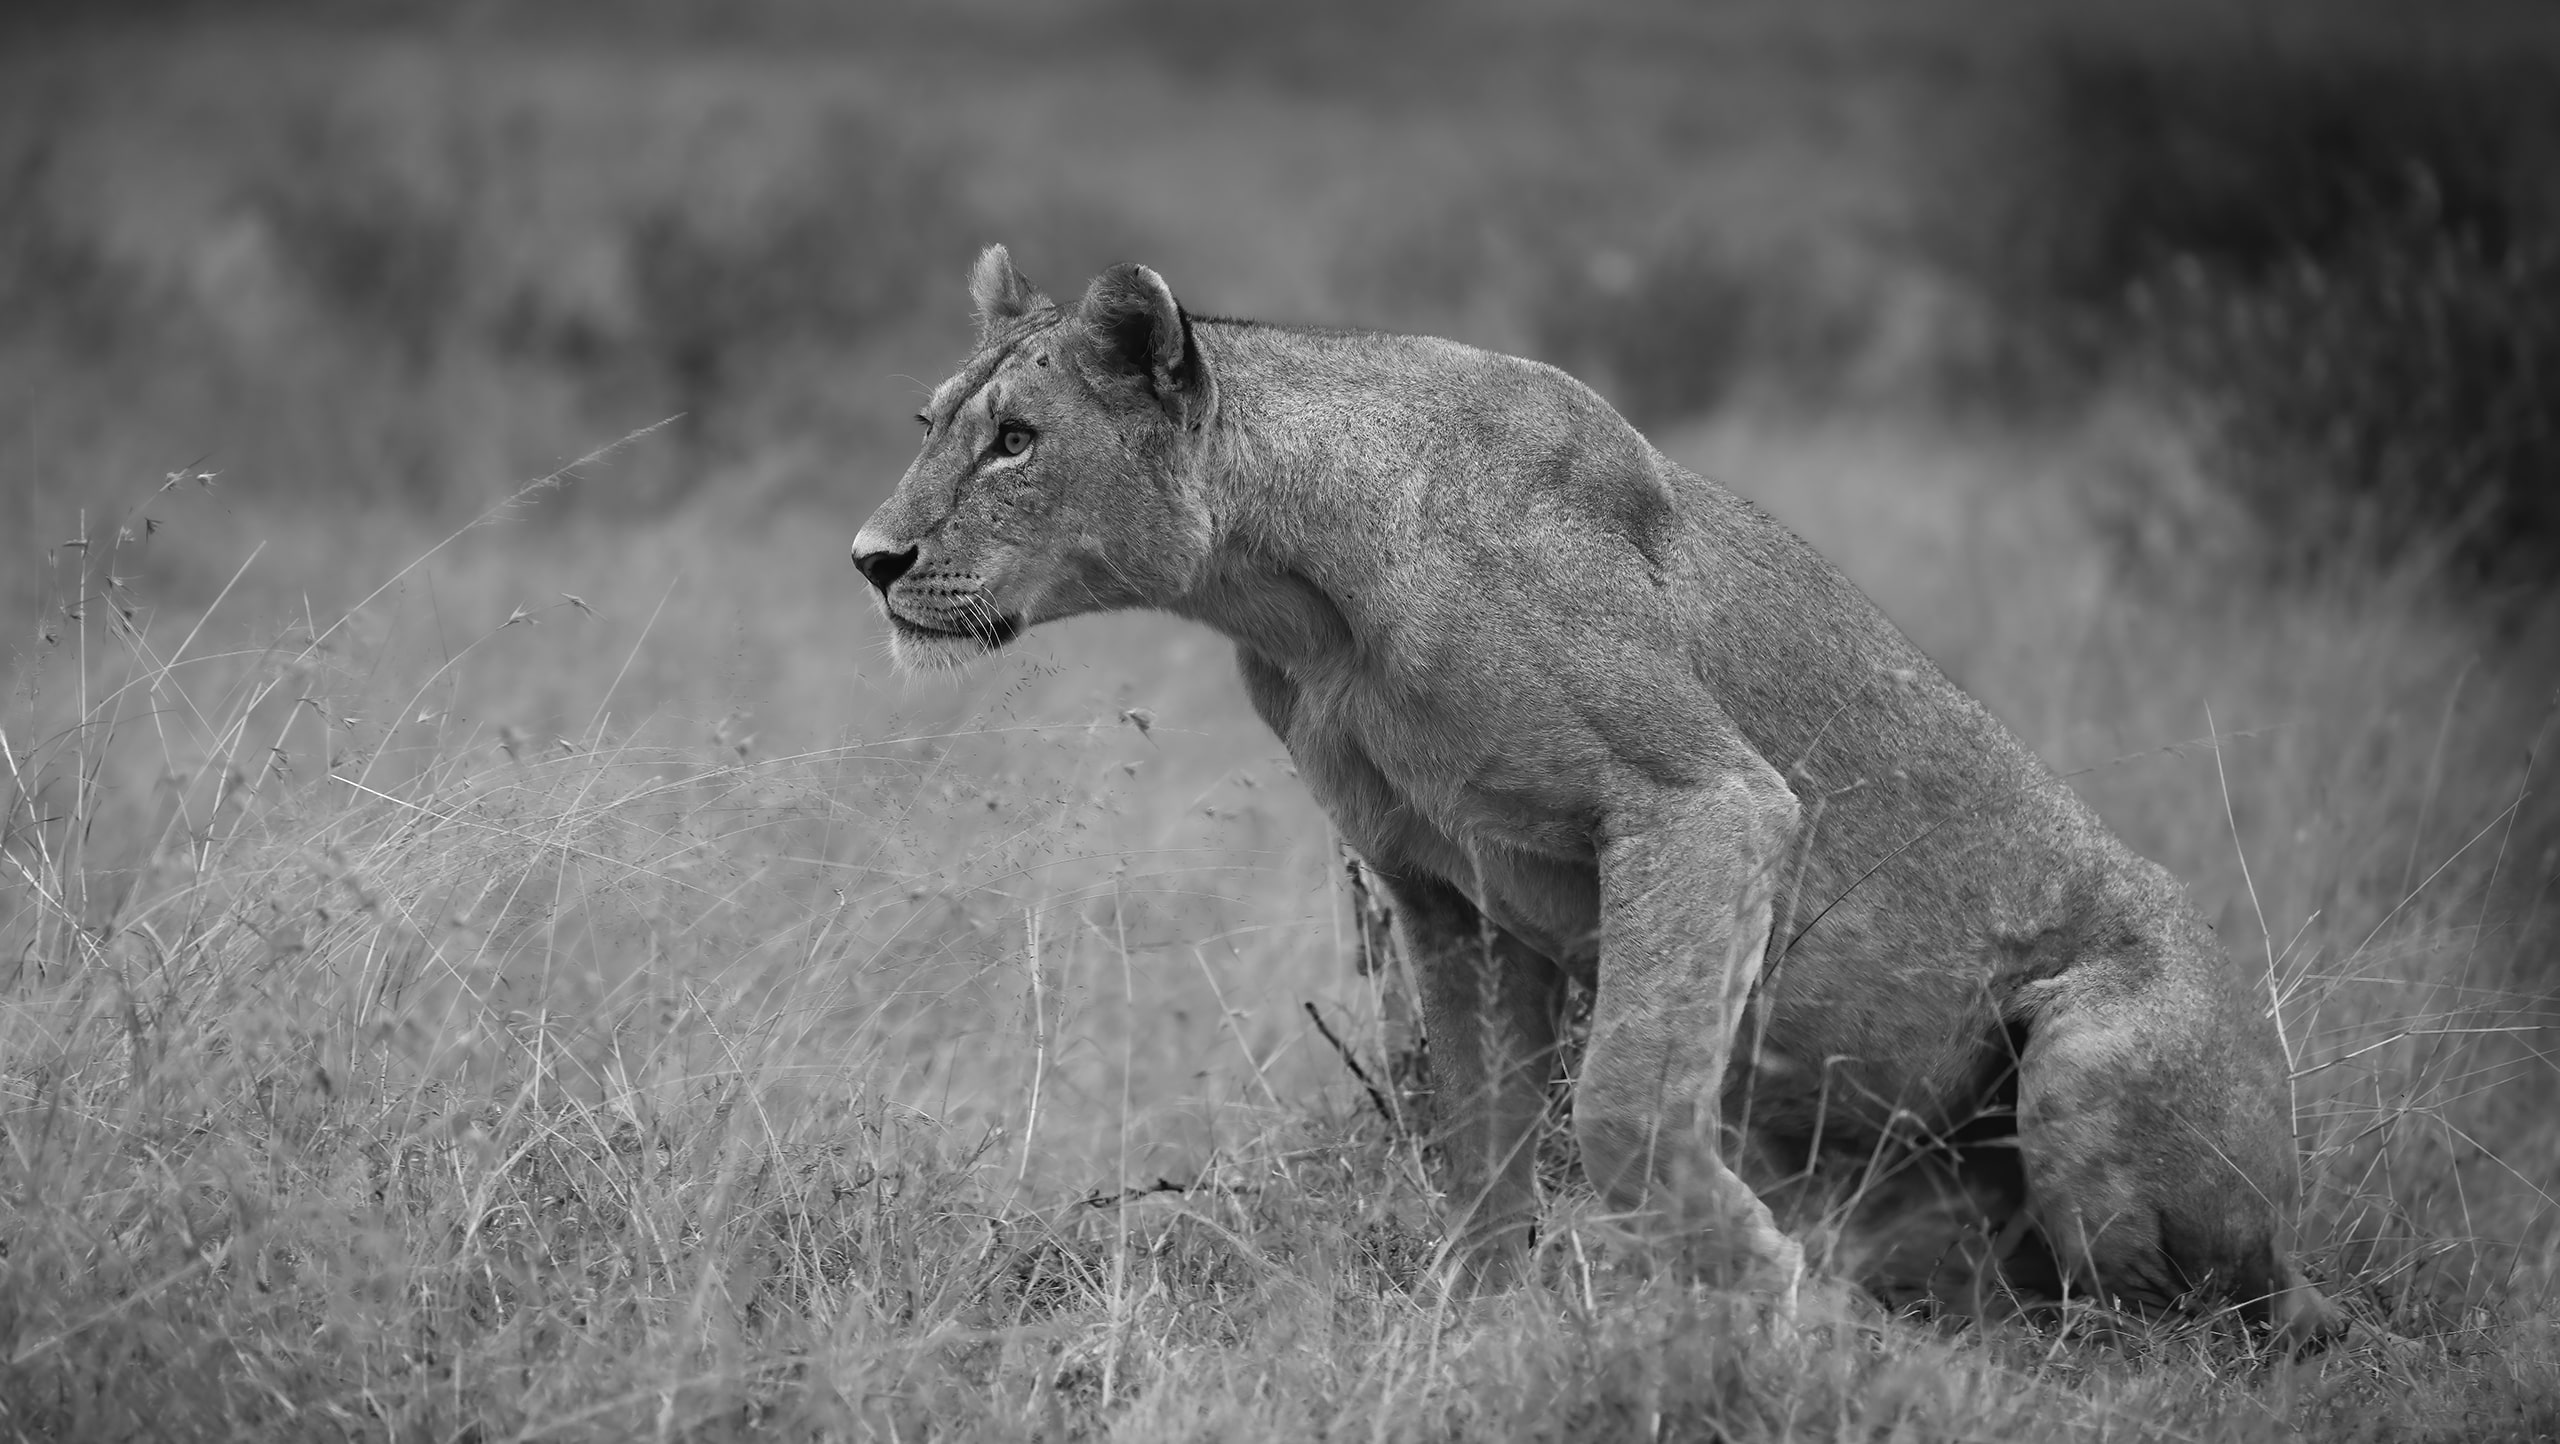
x: 490, y: 961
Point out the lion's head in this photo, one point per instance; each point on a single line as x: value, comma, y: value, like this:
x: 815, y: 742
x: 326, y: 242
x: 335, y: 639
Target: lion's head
x: 1054, y: 477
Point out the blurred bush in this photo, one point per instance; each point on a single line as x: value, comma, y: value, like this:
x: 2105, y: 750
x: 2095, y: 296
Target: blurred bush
x: 2393, y: 404
x: 2341, y: 261
x: 55, y: 290
x: 830, y: 262
x: 1673, y: 329
x: 381, y: 257
x: 1658, y: 307
x: 2124, y: 158
x: 414, y: 292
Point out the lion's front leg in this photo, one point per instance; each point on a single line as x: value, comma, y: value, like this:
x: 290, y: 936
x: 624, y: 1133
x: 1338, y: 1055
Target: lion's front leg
x: 1686, y: 888
x: 1489, y: 1008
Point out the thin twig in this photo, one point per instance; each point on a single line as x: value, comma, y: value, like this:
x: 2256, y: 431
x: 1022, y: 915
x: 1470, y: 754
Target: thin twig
x: 1353, y: 1063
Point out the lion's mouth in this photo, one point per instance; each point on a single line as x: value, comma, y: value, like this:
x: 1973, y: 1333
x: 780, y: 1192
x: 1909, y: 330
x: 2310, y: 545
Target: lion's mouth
x: 991, y: 631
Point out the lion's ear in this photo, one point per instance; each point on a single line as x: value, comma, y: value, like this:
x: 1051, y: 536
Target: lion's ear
x: 1003, y: 296
x: 1139, y: 329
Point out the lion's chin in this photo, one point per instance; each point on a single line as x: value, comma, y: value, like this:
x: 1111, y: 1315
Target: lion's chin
x: 919, y: 648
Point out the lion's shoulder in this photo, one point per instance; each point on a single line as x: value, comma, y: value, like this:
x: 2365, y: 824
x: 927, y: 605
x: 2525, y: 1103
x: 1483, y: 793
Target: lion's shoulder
x: 1497, y: 441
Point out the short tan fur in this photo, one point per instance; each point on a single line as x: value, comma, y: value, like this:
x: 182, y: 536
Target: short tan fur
x: 1589, y: 715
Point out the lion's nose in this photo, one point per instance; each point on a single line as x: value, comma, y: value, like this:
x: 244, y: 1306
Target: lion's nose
x: 882, y: 567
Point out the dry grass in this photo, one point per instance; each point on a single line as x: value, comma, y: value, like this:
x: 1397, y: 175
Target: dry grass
x: 373, y: 1070
x: 565, y: 986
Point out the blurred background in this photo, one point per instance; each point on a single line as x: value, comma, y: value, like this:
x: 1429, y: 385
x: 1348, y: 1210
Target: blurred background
x: 374, y: 263
x: 383, y: 259
x: 2149, y: 363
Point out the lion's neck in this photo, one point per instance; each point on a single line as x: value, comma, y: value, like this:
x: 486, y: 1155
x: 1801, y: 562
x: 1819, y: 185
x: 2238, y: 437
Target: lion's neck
x: 1309, y: 474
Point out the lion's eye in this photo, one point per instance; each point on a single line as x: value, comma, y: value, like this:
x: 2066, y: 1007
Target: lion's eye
x: 924, y: 421
x: 1014, y: 440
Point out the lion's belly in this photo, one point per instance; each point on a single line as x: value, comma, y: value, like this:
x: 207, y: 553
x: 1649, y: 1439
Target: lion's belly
x: 1552, y: 906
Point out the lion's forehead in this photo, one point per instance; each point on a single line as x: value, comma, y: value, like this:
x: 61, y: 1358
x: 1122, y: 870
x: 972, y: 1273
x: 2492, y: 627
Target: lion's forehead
x: 955, y: 395
x: 984, y: 372
x: 948, y: 396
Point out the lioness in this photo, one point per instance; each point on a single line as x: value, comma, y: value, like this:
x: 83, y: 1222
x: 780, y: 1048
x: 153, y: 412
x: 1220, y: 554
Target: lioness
x: 1588, y: 715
